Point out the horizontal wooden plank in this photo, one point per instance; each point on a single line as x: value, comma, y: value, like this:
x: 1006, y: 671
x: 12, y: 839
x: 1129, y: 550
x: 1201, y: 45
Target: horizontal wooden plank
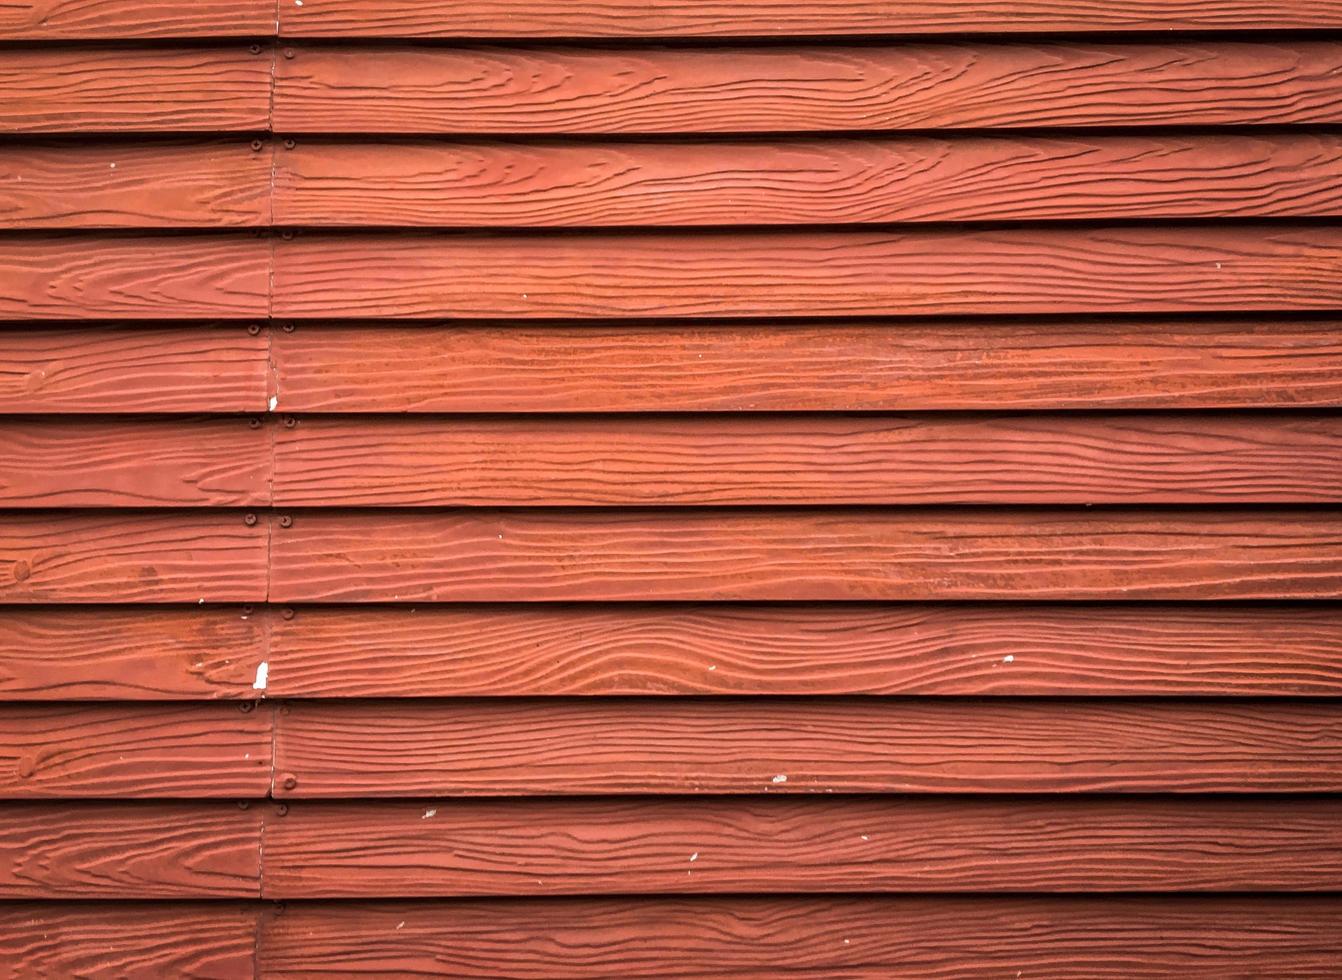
x: 422, y: 89
x: 751, y: 460
x: 140, y: 940
x: 483, y: 555
x: 118, y: 750
x: 552, y: 746
x: 192, y: 462
x: 822, y: 273
x: 801, y: 844
x: 134, y: 185
x: 131, y: 557
x: 44, y: 20
x: 146, y: 654
x: 793, y: 367
x: 89, y: 370
x: 1031, y: 649
x: 60, y: 277
x: 129, y: 851
x: 135, y: 89
x: 857, y: 938
x: 461, y: 184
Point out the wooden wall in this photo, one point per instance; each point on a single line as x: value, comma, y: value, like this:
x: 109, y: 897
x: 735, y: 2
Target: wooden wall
x: 760, y: 488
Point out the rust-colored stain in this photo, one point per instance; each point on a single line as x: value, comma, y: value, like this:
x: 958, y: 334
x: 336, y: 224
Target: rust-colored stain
x: 680, y: 489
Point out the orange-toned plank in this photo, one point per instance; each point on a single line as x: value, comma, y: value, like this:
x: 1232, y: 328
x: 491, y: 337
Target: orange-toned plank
x: 134, y: 185
x: 422, y: 89
x: 193, y: 462
x: 808, y: 459
x: 905, y: 553
x: 874, y: 938
x: 98, y: 751
x: 547, y: 746
x: 821, y: 273
x: 129, y: 850
x: 92, y: 369
x: 135, y: 89
x: 805, y: 182
x: 55, y: 277
x: 440, y: 848
x: 789, y: 367
x: 1032, y: 649
x: 33, y: 20
x: 132, y: 557
x: 145, y: 654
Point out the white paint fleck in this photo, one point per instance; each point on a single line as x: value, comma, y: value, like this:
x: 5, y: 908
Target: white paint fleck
x: 400, y: 924
x: 845, y: 942
x: 1218, y: 265
x: 1008, y: 659
x: 431, y: 812
x: 299, y: 3
x: 865, y: 837
x: 780, y: 778
x: 201, y: 602
x: 694, y: 856
x: 713, y: 667
x: 274, y: 401
x: 262, y: 674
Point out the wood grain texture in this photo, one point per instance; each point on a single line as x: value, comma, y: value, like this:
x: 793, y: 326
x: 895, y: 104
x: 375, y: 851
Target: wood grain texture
x: 553, y: 746
x: 483, y: 555
x: 92, y: 370
x: 483, y: 184
x: 747, y: 460
x: 62, y: 751
x: 142, y: 277
x: 53, y: 89
x: 926, y: 649
x: 896, y: 365
x: 67, y: 20
x: 134, y: 185
x: 147, y: 654
x: 62, y: 557
x: 866, y: 938
x: 142, y: 941
x: 822, y: 273
x: 422, y: 89
x: 129, y: 850
x: 441, y: 848
x: 191, y: 462
x: 733, y: 18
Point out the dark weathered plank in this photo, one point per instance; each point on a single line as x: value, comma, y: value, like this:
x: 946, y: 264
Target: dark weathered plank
x: 545, y: 746
x: 129, y: 850
x: 33, y: 20
x: 822, y: 273
x: 62, y: 277
x: 472, y: 651
x: 924, y: 937
x: 789, y: 367
x: 785, y: 182
x: 111, y: 557
x: 134, y: 185
x: 198, y: 462
x: 421, y: 89
x: 441, y: 848
x: 809, y: 459
x: 908, y: 553
x: 135, y: 89
x: 98, y: 751
x: 144, y: 654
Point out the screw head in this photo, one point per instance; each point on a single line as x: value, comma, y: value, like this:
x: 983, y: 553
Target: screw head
x: 288, y: 328
x: 243, y: 804
x: 282, y: 809
x: 290, y: 781
x: 247, y: 707
x: 254, y: 48
x: 247, y: 609
x: 287, y: 235
x: 287, y: 614
x: 253, y: 328
x: 257, y: 145
x: 289, y: 52
x: 289, y: 144
x: 253, y: 423
x: 286, y: 521
x: 249, y: 520
x: 290, y: 421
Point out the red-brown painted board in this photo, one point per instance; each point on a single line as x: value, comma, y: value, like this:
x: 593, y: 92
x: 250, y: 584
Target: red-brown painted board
x: 748, y: 460
x: 485, y: 555
x: 986, y: 85
x: 73, y: 750
x: 483, y: 184
x: 191, y: 462
x: 442, y: 848
x: 62, y: 277
x: 573, y: 746
x: 143, y: 654
x: 129, y: 850
x: 922, y: 937
x: 135, y: 89
x: 793, y: 367
x: 195, y: 557
x: 140, y: 941
x: 96, y: 20
x: 848, y: 648
x: 146, y: 370
x: 1119, y: 269
x: 134, y: 185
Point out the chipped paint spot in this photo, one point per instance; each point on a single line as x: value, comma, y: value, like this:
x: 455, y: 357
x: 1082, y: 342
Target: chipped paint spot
x: 274, y: 400
x: 431, y: 812
x: 694, y: 856
x: 262, y: 674
x: 780, y: 778
x: 1008, y: 659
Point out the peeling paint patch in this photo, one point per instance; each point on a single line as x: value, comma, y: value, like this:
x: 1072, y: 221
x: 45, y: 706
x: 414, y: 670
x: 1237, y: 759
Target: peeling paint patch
x: 262, y: 675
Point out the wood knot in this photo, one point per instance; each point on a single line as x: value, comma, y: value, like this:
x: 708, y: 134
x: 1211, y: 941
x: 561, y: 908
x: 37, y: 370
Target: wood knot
x: 21, y: 570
